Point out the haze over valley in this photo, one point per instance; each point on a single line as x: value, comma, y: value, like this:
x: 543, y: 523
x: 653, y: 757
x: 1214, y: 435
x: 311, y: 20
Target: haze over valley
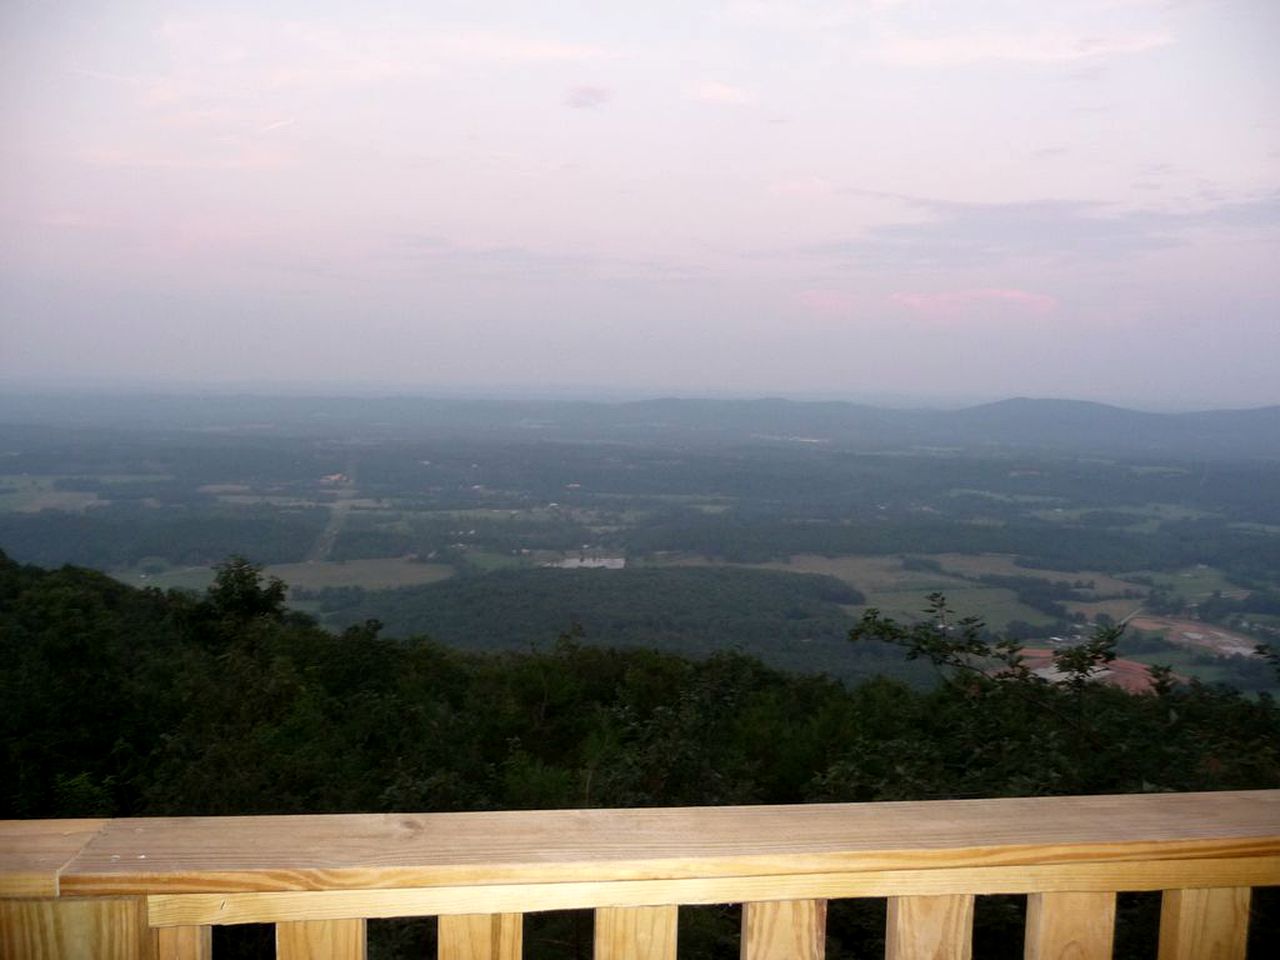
x: 767, y: 526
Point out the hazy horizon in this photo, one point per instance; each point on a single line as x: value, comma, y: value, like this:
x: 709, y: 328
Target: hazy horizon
x: 885, y: 201
x: 588, y: 393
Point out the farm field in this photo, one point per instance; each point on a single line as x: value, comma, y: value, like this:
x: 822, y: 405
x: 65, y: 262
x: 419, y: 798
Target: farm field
x: 900, y: 593
x: 384, y: 573
x: 994, y: 606
x: 1193, y: 582
x: 976, y: 565
x: 33, y: 494
x: 1146, y: 518
x: 887, y: 582
x: 1117, y: 610
x: 872, y: 574
x: 169, y: 578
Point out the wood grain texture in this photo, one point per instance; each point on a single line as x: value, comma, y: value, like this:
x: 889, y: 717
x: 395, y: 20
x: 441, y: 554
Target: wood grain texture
x: 1070, y: 926
x: 1204, y: 924
x: 929, y: 928
x: 398, y: 850
x: 184, y: 943
x: 321, y: 940
x: 496, y: 936
x: 636, y: 933
x: 270, y: 907
x: 784, y: 930
x: 34, y: 852
x: 99, y: 929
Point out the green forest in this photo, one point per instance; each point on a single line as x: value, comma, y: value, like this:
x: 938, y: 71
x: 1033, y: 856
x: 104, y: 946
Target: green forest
x: 135, y: 702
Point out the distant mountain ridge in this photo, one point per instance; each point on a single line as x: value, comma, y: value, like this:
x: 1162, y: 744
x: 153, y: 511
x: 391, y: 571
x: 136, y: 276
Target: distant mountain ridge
x: 1075, y: 426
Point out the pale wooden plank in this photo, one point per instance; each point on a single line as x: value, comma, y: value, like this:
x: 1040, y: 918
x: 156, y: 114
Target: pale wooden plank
x: 636, y: 933
x: 184, y: 943
x: 98, y: 929
x: 398, y: 850
x: 1207, y: 924
x: 1070, y: 926
x: 784, y: 930
x: 930, y: 928
x: 321, y: 940
x: 225, y: 908
x: 481, y: 936
x: 33, y: 852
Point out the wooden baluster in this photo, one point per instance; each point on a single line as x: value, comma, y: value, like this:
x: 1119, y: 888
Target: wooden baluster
x: 104, y: 928
x: 481, y: 936
x: 184, y: 943
x: 1204, y: 924
x: 784, y: 930
x: 320, y: 940
x: 636, y: 933
x: 930, y: 928
x: 1070, y: 926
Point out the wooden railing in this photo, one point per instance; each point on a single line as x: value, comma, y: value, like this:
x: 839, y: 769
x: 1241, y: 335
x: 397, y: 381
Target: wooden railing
x: 153, y: 888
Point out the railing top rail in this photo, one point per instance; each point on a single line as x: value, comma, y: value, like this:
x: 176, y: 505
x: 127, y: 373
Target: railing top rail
x: 34, y: 852
x: 370, y: 851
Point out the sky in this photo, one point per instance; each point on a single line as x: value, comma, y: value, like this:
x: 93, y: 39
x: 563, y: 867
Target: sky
x: 802, y: 198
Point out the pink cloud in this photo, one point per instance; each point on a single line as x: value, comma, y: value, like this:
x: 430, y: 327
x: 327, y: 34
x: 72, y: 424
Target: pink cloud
x: 1043, y: 47
x: 713, y: 91
x: 827, y: 303
x: 954, y: 303
x: 586, y: 97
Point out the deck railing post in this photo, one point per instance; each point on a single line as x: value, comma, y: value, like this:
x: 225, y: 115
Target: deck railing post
x: 97, y: 928
x: 1068, y: 924
x: 321, y: 940
x: 1204, y: 924
x: 784, y: 930
x: 636, y: 933
x: 930, y: 928
x: 481, y: 936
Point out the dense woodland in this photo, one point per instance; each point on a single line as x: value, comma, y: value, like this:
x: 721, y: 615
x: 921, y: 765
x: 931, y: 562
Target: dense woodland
x: 127, y: 702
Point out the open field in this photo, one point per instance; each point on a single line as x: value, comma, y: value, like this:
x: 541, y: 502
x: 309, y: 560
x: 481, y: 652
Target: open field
x: 1146, y: 518
x: 273, y: 500
x: 1003, y: 565
x: 1192, y: 583
x: 992, y: 605
x: 1022, y: 498
x: 1117, y: 610
x: 873, y: 574
x: 170, y: 578
x: 488, y: 561
x: 900, y: 593
x: 384, y: 573
x: 31, y: 494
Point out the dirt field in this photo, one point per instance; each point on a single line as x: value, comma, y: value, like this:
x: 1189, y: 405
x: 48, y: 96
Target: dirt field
x: 1203, y: 636
x: 1127, y: 674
